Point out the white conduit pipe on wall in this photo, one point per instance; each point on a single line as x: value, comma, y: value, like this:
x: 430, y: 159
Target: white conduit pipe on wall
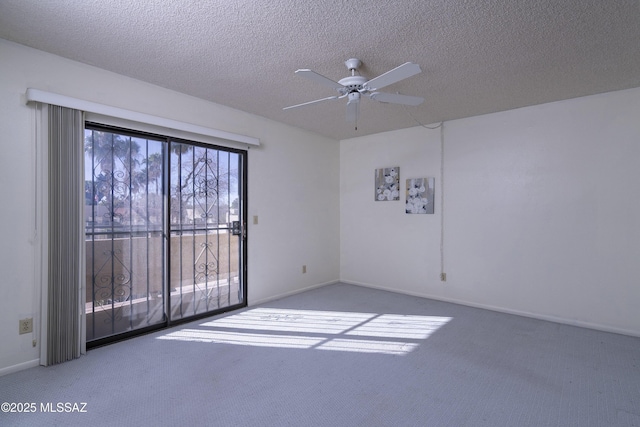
x: 442, y: 272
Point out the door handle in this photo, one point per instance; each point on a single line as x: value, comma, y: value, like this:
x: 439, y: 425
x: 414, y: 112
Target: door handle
x: 236, y: 230
x: 239, y: 229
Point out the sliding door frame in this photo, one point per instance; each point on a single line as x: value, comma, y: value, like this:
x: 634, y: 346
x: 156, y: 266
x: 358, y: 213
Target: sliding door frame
x: 168, y: 321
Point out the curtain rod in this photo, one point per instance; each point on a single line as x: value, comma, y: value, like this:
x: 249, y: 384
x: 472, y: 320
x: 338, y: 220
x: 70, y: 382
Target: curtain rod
x: 36, y: 95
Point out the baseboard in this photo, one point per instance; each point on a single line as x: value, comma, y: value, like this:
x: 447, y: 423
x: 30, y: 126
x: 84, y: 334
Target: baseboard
x: 290, y: 293
x: 548, y: 318
x: 19, y: 367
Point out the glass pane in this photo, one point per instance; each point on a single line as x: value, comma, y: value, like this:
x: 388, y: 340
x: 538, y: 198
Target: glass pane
x: 123, y: 227
x: 205, y: 256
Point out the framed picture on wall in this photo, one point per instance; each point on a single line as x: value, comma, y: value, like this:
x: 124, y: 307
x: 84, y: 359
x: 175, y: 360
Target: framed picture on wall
x: 387, y: 182
x: 420, y: 193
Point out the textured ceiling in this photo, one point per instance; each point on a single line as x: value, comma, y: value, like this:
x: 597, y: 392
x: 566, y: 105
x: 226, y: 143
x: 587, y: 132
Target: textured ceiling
x: 477, y: 57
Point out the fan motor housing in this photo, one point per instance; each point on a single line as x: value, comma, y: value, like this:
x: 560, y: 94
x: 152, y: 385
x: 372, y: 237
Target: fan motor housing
x: 353, y: 83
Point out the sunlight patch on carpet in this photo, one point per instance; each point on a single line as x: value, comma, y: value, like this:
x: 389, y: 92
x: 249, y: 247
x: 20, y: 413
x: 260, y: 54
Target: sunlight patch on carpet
x: 316, y: 329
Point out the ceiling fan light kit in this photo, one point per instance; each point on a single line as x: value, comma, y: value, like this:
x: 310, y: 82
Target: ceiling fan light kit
x: 353, y: 86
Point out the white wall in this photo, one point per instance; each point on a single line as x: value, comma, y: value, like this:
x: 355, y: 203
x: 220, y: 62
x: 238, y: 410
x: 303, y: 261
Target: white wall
x: 541, y: 212
x: 293, y: 186
x: 381, y: 245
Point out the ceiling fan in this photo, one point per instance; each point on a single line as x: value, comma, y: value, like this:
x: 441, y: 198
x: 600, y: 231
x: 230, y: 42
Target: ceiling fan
x: 354, y: 86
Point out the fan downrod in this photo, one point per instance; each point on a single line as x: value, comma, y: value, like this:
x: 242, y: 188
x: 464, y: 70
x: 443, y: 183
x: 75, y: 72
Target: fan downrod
x: 353, y: 83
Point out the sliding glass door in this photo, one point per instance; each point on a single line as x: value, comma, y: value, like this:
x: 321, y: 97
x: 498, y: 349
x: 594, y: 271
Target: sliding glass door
x: 206, y: 236
x: 164, y: 227
x: 124, y: 220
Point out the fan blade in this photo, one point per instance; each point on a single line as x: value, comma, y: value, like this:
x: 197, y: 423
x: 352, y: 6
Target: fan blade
x: 311, y: 102
x: 396, y: 98
x: 405, y: 70
x: 312, y: 75
x: 353, y: 106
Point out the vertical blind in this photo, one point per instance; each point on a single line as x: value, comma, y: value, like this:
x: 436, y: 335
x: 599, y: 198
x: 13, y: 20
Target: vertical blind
x: 66, y: 251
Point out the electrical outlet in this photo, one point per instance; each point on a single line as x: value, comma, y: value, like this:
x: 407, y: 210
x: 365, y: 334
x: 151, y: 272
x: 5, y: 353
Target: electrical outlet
x: 443, y: 277
x: 304, y: 269
x: 25, y: 326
